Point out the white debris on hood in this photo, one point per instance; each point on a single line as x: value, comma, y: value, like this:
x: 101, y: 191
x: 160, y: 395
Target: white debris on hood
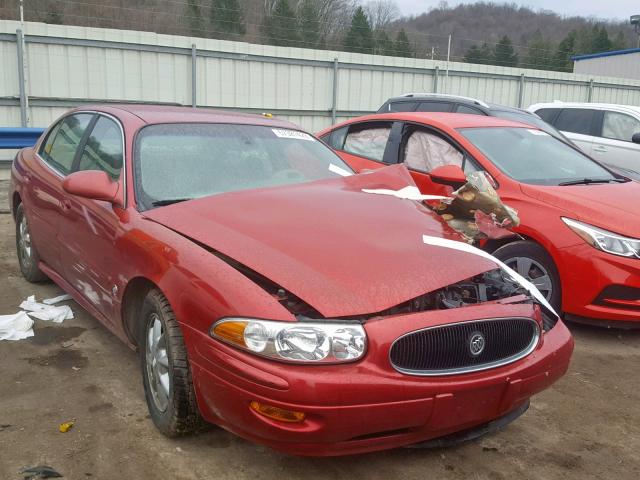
x: 465, y: 247
x: 16, y: 327
x: 409, y: 192
x: 48, y: 313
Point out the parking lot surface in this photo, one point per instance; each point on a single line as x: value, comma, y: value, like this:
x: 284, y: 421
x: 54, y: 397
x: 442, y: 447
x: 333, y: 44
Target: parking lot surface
x: 587, y: 426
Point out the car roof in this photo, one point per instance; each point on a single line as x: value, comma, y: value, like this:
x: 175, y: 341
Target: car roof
x: 437, y: 96
x: 597, y: 106
x: 153, y: 114
x: 459, y: 99
x: 451, y: 120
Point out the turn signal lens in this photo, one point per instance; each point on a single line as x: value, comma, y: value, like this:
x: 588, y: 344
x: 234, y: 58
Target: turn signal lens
x: 277, y: 413
x: 231, y: 331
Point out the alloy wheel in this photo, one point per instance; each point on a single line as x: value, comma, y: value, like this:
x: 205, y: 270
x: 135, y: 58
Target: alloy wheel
x: 24, y: 242
x: 533, y: 271
x: 157, y: 361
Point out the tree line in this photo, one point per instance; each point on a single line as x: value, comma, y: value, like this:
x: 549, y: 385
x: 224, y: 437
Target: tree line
x: 543, y: 54
x: 301, y: 24
x: 516, y: 36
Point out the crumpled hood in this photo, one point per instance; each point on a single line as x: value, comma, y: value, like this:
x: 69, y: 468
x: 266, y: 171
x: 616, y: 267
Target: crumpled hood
x: 343, y: 251
x: 612, y: 206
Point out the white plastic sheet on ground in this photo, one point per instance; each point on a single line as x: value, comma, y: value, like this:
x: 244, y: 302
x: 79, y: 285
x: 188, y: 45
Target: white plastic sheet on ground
x: 16, y: 327
x: 58, y: 299
x: 48, y: 313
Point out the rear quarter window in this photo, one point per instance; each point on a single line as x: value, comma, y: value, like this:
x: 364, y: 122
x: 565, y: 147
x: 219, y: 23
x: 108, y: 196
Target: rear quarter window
x: 548, y: 114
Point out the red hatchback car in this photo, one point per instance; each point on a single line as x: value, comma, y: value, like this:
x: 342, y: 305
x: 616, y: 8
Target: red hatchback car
x: 267, y: 293
x: 579, y: 221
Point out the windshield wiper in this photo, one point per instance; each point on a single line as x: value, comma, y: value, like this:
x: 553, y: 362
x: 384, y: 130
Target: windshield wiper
x: 169, y: 201
x: 588, y: 181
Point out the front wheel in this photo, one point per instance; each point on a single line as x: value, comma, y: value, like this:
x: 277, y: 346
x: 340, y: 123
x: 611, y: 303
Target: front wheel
x: 165, y: 369
x: 534, y: 263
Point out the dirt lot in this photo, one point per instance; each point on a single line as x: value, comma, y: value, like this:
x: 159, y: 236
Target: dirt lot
x: 586, y: 426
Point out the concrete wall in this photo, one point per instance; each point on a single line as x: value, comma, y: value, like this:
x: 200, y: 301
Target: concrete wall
x: 67, y: 66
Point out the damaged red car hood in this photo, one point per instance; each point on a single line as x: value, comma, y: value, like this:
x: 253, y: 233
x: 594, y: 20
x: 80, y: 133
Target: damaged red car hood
x: 612, y: 206
x: 343, y: 251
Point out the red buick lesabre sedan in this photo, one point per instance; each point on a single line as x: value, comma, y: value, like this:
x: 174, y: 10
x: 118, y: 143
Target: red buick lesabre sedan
x: 579, y: 221
x: 267, y: 293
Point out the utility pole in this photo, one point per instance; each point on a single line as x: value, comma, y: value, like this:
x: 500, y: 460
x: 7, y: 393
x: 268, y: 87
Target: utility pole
x: 635, y: 21
x: 23, y: 63
x: 448, y: 57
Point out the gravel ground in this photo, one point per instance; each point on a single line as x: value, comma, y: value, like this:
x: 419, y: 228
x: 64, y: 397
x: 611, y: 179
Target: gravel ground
x: 587, y: 426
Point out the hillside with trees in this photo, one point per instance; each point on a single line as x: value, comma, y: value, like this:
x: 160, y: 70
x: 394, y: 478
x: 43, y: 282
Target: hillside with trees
x: 484, y: 33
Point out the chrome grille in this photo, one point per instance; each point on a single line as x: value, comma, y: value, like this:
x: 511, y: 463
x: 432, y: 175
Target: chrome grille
x: 464, y: 347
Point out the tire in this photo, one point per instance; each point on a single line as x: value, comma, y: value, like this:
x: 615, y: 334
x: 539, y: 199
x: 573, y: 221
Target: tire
x: 28, y: 257
x: 534, y: 263
x: 166, y: 373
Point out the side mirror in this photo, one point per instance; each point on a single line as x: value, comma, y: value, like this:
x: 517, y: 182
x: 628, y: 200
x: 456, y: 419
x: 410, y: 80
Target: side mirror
x: 636, y: 138
x: 92, y: 184
x: 451, y: 175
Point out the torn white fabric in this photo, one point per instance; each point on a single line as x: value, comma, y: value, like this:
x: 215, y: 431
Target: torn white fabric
x: 58, y: 299
x: 16, y: 327
x: 409, y: 192
x: 465, y: 247
x: 339, y: 170
x: 48, y: 313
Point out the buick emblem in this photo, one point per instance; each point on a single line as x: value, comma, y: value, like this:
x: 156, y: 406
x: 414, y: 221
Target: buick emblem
x: 476, y: 344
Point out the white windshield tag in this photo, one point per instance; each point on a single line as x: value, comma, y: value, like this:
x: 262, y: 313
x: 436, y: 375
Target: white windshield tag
x: 339, y: 170
x: 294, y: 134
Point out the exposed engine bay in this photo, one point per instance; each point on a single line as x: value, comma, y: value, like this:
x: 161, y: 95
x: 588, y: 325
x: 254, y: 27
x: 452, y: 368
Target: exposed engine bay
x: 486, y: 287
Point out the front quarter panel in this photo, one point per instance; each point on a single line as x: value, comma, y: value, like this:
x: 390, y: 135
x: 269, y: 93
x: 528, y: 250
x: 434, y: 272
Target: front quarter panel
x: 200, y: 287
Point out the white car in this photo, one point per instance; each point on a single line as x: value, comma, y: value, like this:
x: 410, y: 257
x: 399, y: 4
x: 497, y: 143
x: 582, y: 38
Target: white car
x: 609, y: 133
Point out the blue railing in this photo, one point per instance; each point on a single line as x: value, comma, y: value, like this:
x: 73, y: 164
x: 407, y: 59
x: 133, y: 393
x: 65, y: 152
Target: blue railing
x: 14, y: 138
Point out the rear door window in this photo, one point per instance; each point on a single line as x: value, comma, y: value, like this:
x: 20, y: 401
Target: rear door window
x: 61, y: 145
x: 469, y: 110
x: 435, y: 107
x: 103, y: 150
x: 368, y: 140
x: 576, y: 120
x: 619, y: 126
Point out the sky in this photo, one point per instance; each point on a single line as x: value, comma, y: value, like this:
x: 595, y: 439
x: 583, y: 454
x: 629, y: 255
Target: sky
x: 609, y: 9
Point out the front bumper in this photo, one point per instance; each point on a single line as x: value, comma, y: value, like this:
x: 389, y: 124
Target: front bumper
x: 586, y: 273
x: 367, y: 405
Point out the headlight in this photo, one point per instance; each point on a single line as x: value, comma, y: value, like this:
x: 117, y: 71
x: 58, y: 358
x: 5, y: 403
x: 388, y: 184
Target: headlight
x: 306, y: 342
x: 603, y: 240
